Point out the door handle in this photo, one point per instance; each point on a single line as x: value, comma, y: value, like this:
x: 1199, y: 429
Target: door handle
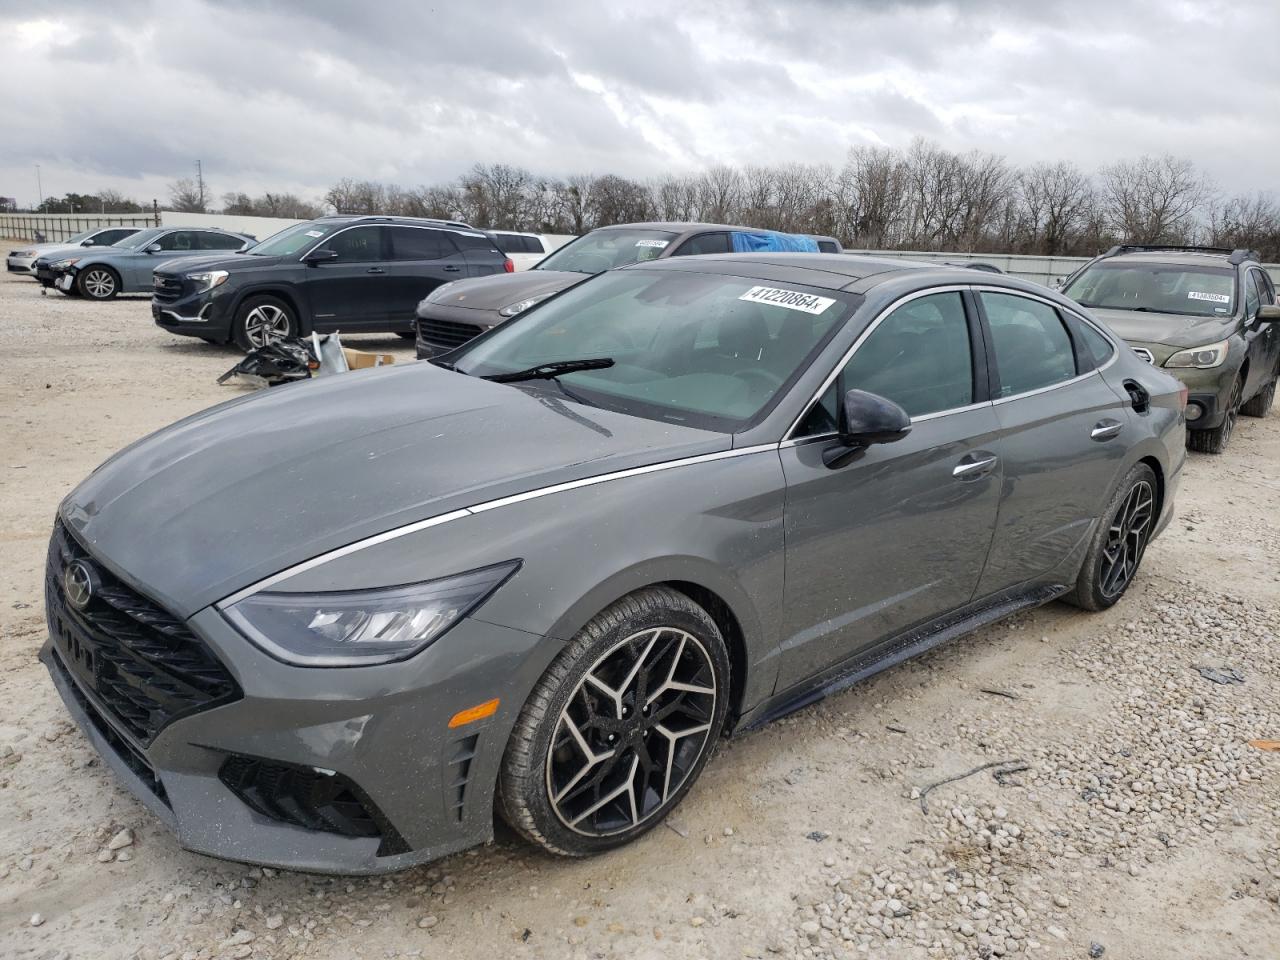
x: 375, y: 270
x: 1106, y: 430
x: 975, y: 465
x: 452, y: 269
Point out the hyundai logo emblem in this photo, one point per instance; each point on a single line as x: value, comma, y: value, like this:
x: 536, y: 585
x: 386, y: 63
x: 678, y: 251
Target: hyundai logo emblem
x: 78, y: 581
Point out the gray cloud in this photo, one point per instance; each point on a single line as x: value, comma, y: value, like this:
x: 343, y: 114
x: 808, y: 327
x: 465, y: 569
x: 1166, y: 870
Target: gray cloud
x: 293, y: 96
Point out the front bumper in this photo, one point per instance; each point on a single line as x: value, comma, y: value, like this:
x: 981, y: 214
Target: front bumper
x: 1210, y: 389
x: 439, y: 329
x: 384, y: 731
x: 22, y: 265
x: 195, y: 315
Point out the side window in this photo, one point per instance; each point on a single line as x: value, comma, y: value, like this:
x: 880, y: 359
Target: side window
x: 828, y: 246
x: 357, y: 245
x: 1032, y: 347
x: 508, y: 243
x: 1097, y: 347
x: 475, y: 242
x: 1252, y: 300
x: 178, y: 240
x: 919, y: 357
x: 703, y: 243
x: 414, y: 243
x: 108, y: 237
x: 220, y: 241
x: 1266, y: 289
x: 533, y: 245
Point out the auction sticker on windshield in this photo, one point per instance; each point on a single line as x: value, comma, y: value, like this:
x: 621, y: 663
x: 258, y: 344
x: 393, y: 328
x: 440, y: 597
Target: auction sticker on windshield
x: 1211, y: 297
x: 790, y: 299
x: 652, y: 243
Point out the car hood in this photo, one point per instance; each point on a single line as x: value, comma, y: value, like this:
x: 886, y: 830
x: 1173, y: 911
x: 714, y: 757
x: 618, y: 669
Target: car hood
x: 1168, y: 328
x: 229, y: 496
x: 503, y: 289
x: 215, y: 261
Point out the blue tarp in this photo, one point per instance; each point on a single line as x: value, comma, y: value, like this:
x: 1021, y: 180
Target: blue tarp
x: 768, y: 242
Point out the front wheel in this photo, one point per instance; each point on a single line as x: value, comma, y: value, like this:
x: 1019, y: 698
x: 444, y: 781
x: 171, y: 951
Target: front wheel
x: 263, y: 320
x: 1259, y: 404
x: 97, y: 283
x: 619, y: 727
x: 1119, y: 542
x: 1215, y: 440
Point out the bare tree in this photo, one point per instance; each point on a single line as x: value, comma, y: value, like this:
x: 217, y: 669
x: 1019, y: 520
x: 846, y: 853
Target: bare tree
x: 1057, y: 199
x: 185, y: 196
x: 1249, y: 221
x: 1153, y: 199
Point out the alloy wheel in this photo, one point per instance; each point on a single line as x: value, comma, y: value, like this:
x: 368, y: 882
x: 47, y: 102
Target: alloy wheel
x: 1233, y: 411
x: 264, y: 324
x: 1127, y: 539
x: 633, y: 729
x: 99, y: 284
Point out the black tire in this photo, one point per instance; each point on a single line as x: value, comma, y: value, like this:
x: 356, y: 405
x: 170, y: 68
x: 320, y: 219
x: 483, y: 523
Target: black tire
x: 656, y: 624
x: 1095, y: 589
x: 1259, y: 404
x: 1216, y: 440
x: 97, y: 283
x: 263, y: 319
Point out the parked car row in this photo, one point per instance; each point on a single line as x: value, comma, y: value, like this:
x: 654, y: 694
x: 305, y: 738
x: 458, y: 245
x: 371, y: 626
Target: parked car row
x: 23, y: 260
x: 547, y: 571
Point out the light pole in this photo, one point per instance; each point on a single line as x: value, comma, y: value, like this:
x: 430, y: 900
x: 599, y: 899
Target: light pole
x: 39, y: 188
x: 200, y: 182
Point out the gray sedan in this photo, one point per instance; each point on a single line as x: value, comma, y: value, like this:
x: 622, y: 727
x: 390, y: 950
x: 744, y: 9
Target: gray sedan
x: 335, y: 625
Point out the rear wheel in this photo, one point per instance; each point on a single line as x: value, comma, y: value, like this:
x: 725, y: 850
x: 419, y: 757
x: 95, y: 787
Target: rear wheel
x: 619, y: 727
x: 263, y: 320
x: 1119, y: 542
x: 1216, y: 439
x: 97, y: 283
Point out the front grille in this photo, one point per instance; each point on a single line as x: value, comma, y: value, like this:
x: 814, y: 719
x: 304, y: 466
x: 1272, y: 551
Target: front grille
x: 309, y: 798
x: 1145, y: 354
x: 165, y: 287
x: 447, y: 333
x: 143, y: 665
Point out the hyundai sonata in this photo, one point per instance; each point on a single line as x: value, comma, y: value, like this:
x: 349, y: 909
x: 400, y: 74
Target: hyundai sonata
x: 337, y: 625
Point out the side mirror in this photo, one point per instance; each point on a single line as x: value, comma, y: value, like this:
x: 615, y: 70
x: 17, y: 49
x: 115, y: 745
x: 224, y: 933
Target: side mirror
x: 320, y: 256
x: 1269, y: 313
x: 154, y: 248
x: 866, y: 419
x: 86, y: 243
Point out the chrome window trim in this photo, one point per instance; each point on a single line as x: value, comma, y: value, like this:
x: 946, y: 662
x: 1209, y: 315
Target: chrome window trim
x: 848, y: 355
x: 483, y: 507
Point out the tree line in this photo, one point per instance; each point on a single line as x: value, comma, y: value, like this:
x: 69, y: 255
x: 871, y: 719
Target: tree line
x: 921, y: 197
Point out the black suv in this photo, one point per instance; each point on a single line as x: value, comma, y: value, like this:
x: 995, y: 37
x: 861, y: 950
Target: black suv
x: 355, y: 274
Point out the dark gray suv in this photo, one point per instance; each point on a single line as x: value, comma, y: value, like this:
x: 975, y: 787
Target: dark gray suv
x: 544, y: 576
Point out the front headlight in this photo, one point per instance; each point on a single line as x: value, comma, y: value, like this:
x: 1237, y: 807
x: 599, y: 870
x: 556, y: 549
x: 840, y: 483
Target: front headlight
x: 1201, y: 358
x: 207, y: 281
x: 24, y: 253
x: 66, y: 264
x: 522, y: 305
x: 362, y: 627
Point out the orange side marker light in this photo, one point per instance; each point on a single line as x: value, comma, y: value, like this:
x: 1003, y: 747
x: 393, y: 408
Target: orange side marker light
x: 472, y: 714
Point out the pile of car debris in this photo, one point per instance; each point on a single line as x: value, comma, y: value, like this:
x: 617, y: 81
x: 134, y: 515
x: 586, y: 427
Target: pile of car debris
x: 300, y: 358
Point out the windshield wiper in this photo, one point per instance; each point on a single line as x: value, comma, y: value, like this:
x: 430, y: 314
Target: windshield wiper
x: 549, y: 371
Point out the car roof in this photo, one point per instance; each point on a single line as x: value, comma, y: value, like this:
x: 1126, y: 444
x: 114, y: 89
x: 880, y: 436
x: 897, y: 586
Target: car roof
x: 832, y: 270
x: 1183, y: 258
x: 676, y: 226
x: 406, y: 221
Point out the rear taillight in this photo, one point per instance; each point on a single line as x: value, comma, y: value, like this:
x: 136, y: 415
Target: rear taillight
x: 508, y: 266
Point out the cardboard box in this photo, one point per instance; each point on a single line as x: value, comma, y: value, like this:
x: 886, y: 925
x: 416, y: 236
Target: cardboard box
x: 359, y: 359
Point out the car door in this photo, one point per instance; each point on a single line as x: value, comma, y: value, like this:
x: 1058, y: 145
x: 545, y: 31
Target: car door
x: 899, y: 534
x: 1263, y: 336
x: 421, y: 260
x: 1062, y: 437
x: 349, y: 289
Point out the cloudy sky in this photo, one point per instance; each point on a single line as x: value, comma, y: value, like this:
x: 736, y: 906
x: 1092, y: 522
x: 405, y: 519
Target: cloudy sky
x: 292, y: 96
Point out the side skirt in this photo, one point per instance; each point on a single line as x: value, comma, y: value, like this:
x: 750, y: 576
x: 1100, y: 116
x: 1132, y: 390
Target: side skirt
x: 891, y: 652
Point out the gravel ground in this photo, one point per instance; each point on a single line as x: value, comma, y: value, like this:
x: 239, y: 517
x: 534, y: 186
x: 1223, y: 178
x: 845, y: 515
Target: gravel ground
x: 1125, y: 814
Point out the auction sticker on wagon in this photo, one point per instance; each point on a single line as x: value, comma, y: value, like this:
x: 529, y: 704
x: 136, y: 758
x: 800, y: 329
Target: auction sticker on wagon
x: 790, y: 299
x: 1211, y: 297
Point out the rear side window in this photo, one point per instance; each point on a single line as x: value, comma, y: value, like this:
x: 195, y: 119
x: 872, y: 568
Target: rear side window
x: 1098, y: 347
x: 475, y: 242
x: 415, y: 243
x: 219, y: 241
x: 356, y: 245
x: 702, y: 244
x: 1032, y: 347
x: 533, y: 245
x: 517, y: 243
x: 828, y: 246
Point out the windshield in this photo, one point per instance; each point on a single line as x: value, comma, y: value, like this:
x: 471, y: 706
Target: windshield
x: 704, y: 350
x: 82, y: 235
x: 1193, y: 291
x: 140, y: 239
x: 602, y: 250
x: 293, y: 239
